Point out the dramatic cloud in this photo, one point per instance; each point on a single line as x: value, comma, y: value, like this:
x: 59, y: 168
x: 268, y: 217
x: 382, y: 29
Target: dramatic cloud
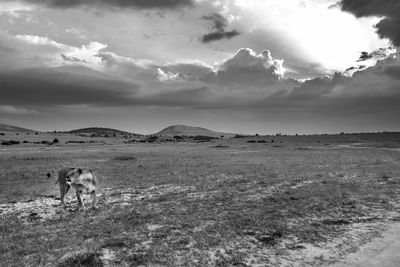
x: 250, y: 75
x: 140, y: 4
x: 63, y: 86
x: 389, y: 27
x: 219, y: 23
x: 314, y: 88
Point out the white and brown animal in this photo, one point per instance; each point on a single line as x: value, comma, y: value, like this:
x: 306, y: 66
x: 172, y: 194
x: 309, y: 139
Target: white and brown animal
x: 82, y: 180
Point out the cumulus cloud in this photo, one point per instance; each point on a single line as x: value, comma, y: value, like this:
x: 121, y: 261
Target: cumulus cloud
x: 248, y: 80
x: 34, y: 50
x: 250, y: 74
x: 219, y: 23
x: 388, y: 27
x: 138, y: 4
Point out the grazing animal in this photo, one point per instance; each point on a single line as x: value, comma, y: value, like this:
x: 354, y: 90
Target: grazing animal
x: 82, y: 180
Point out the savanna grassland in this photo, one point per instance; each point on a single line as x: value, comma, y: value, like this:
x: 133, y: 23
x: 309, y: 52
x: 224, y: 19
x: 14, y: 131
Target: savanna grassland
x: 253, y: 201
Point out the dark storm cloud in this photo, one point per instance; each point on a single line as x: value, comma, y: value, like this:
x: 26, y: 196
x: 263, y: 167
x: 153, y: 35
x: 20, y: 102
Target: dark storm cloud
x: 63, y: 86
x: 140, y: 4
x: 389, y: 27
x: 219, y: 23
x: 364, y: 56
x: 215, y: 36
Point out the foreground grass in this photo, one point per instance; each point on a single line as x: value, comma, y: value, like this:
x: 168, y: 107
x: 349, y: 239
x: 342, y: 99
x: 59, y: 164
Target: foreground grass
x: 231, y: 202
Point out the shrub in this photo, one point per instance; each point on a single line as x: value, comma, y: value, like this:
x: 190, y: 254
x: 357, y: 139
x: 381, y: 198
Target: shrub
x: 76, y: 142
x: 152, y: 139
x: 203, y: 138
x: 10, y: 143
x: 126, y: 157
x: 2, y: 134
x: 55, y: 141
x: 252, y: 141
x: 44, y: 142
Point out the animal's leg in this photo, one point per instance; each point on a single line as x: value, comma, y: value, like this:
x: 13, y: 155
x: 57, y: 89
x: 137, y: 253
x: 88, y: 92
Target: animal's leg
x: 94, y: 199
x: 64, y: 188
x: 80, y: 202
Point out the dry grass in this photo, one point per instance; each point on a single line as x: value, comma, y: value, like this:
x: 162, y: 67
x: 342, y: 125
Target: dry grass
x: 196, y: 204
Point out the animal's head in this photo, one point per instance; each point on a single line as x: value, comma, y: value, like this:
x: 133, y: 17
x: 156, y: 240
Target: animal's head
x: 73, y: 175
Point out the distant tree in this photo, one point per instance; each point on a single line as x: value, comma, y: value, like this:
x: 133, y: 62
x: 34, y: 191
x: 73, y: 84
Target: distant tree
x: 36, y: 133
x: 55, y: 141
x: 17, y: 133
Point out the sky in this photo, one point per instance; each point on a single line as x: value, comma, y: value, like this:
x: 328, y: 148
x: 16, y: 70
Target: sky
x: 241, y: 66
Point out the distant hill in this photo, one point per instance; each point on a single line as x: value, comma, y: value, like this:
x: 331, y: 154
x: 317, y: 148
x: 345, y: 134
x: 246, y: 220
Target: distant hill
x: 100, y: 131
x: 10, y: 128
x: 191, y: 131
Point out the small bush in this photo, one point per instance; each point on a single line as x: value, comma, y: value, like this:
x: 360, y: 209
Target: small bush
x: 2, y: 134
x: 55, y: 141
x: 75, y: 142
x: 203, y: 138
x: 221, y: 146
x: 151, y: 139
x: 44, y: 142
x: 252, y: 141
x: 126, y: 157
x: 10, y: 143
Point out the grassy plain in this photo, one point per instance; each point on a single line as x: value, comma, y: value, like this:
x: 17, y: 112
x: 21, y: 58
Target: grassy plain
x: 297, y: 200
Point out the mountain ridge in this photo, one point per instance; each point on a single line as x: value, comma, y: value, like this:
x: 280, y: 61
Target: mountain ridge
x: 180, y: 130
x: 12, y: 128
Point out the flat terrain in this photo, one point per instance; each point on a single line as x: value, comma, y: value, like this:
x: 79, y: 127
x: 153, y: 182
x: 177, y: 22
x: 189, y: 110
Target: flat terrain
x: 254, y: 201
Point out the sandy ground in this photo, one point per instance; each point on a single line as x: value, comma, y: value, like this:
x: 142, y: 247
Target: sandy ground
x: 382, y: 251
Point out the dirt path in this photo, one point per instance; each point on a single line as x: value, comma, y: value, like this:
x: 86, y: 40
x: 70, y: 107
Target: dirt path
x: 382, y: 251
